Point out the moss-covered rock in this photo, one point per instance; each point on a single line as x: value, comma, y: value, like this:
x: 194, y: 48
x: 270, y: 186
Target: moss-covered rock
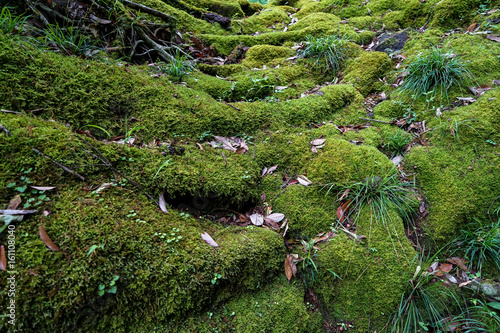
x: 372, y: 273
x: 260, y: 55
x: 365, y: 71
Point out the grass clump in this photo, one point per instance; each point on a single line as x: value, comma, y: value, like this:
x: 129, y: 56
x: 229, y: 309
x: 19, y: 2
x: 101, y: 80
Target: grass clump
x: 329, y: 52
x: 178, y: 68
x: 480, y: 242
x: 69, y: 40
x: 398, y: 142
x: 480, y: 317
x: 424, y: 304
x: 10, y: 24
x: 433, y: 70
x: 381, y: 194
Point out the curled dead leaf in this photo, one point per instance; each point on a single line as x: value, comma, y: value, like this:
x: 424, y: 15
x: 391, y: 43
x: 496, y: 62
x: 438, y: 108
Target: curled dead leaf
x: 317, y: 142
x: 43, y: 188
x: 46, y: 239
x: 257, y: 219
x: 162, y: 203
x: 303, y: 180
x: 459, y: 262
x: 209, y: 240
x: 276, y: 217
x: 3, y: 259
x: 15, y: 202
x: 288, y: 269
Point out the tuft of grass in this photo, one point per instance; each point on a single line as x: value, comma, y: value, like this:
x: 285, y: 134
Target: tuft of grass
x: 398, y: 142
x: 432, y: 71
x: 478, y: 318
x: 480, y: 242
x: 68, y: 40
x: 329, y: 52
x: 423, y: 306
x: 178, y: 68
x: 453, y: 126
x: 11, y: 24
x: 381, y: 194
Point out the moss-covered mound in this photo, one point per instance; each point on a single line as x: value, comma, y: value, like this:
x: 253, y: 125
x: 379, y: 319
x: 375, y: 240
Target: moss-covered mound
x: 256, y: 152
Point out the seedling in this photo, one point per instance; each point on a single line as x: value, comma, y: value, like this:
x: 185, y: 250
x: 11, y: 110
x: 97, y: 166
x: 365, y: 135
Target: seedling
x: 111, y: 288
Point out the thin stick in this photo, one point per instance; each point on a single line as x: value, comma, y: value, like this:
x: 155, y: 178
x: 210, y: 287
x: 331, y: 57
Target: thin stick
x: 2, y: 127
x: 379, y: 121
x: 234, y: 107
x: 65, y: 168
x: 116, y: 171
x: 8, y: 111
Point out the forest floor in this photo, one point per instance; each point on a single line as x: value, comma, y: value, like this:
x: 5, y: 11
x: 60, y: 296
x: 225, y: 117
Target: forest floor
x: 228, y: 166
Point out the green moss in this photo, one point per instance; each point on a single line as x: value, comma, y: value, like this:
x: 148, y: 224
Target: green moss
x: 343, y: 162
x: 264, y: 21
x: 372, y: 273
x: 183, y: 19
x: 317, y: 21
x: 159, y: 279
x: 227, y: 8
x: 459, y: 175
x: 453, y: 13
x: 260, y: 55
x: 308, y: 211
x: 365, y: 71
x: 278, y: 307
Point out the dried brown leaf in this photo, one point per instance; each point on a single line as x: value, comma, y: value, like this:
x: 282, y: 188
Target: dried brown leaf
x: 3, y: 259
x: 209, y: 240
x: 494, y: 38
x: 15, y: 202
x: 103, y: 187
x: 342, y: 210
x: 459, y: 262
x: 46, y: 239
x: 446, y: 268
x: 288, y: 268
x: 240, y: 150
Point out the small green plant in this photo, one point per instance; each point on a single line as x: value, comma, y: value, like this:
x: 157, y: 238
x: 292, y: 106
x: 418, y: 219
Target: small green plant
x: 453, y: 126
x: 217, y: 276
x: 329, y: 52
x: 479, y: 317
x: 398, y: 142
x: 11, y: 24
x: 111, y: 287
x: 480, y: 242
x: 32, y: 197
x: 432, y: 71
x: 178, y: 68
x: 69, y: 40
x: 309, y: 268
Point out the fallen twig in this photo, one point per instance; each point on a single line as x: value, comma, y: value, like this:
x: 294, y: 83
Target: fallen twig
x: 8, y: 111
x: 116, y: 171
x: 65, y: 168
x: 378, y: 121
